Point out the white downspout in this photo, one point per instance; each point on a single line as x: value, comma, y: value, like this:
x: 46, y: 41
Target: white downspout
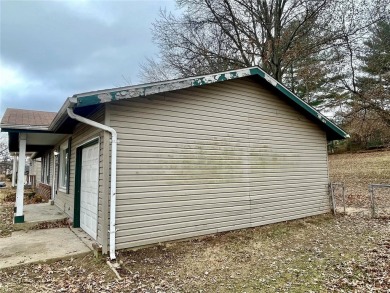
x: 114, y: 140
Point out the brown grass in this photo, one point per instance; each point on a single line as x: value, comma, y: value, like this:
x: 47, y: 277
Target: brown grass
x: 296, y: 256
x: 357, y: 171
x: 317, y: 254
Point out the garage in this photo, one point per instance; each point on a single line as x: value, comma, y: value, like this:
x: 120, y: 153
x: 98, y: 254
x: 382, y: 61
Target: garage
x: 89, y: 188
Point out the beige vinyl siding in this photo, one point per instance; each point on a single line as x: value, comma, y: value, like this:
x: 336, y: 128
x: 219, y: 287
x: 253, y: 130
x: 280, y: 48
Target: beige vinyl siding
x: 214, y: 158
x: 82, y: 134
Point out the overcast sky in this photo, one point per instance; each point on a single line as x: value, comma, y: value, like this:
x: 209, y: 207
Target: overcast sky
x: 51, y: 50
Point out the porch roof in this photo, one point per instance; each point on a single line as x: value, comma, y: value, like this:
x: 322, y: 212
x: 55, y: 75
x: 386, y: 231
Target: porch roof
x: 27, y: 119
x: 36, y: 126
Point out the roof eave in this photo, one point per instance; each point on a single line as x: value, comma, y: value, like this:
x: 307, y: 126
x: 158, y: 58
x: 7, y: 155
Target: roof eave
x: 60, y: 117
x: 122, y: 93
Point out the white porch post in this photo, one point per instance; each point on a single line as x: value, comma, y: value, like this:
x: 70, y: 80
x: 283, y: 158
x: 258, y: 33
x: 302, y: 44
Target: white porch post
x: 53, y: 185
x: 14, y: 170
x: 19, y: 216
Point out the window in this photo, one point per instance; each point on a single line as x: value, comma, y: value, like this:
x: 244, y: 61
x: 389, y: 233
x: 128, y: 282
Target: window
x: 64, y: 167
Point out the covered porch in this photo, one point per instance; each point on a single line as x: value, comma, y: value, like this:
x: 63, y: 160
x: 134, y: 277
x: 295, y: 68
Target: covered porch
x: 28, y: 133
x: 36, y: 143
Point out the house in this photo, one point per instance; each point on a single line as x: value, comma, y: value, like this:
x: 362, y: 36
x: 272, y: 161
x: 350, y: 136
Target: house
x: 144, y: 164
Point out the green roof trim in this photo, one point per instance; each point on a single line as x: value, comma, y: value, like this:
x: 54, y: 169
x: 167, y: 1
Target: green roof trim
x: 110, y: 95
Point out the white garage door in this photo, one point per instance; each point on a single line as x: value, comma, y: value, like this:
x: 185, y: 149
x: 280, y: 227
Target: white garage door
x: 89, y: 189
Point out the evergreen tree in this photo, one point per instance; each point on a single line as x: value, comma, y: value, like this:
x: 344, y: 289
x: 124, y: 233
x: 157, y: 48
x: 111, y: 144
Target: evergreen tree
x: 367, y: 115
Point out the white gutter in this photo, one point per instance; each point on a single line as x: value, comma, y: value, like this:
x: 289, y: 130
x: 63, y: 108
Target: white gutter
x: 114, y: 139
x: 24, y: 127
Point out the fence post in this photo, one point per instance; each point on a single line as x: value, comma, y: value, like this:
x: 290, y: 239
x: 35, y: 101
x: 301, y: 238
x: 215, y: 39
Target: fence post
x: 371, y: 191
x: 331, y: 187
x: 344, y: 197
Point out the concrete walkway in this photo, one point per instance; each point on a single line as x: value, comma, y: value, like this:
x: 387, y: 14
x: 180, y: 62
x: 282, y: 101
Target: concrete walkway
x: 42, y: 212
x: 41, y: 245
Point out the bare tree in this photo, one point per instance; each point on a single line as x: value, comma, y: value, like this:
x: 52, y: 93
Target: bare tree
x: 5, y: 158
x: 292, y: 40
x: 152, y: 70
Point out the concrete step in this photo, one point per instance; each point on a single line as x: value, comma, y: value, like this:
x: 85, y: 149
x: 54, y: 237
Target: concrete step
x: 42, y: 215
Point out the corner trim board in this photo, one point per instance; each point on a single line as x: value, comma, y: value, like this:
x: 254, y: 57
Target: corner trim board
x: 19, y: 219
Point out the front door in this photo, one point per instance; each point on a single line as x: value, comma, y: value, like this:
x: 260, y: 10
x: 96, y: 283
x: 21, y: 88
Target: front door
x: 89, y: 192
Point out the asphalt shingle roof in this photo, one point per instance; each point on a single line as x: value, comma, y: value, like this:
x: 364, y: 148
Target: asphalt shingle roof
x: 19, y: 117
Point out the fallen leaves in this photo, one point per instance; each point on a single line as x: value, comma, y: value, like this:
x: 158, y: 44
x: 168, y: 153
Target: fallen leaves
x: 52, y: 224
x: 370, y: 274
x: 80, y: 275
x: 318, y: 254
x: 6, y: 219
x: 319, y: 259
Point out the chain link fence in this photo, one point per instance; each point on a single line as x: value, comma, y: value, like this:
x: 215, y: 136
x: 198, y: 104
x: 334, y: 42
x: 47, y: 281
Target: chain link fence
x: 376, y: 203
x: 380, y: 200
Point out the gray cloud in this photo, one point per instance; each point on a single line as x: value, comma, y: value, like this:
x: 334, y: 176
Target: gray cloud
x: 63, y: 48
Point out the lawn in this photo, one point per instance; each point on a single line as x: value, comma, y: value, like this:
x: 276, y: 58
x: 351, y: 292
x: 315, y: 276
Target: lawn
x: 316, y: 254
x: 357, y: 171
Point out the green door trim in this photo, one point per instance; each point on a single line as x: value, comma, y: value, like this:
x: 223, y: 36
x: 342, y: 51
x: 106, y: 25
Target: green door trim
x: 77, y: 184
